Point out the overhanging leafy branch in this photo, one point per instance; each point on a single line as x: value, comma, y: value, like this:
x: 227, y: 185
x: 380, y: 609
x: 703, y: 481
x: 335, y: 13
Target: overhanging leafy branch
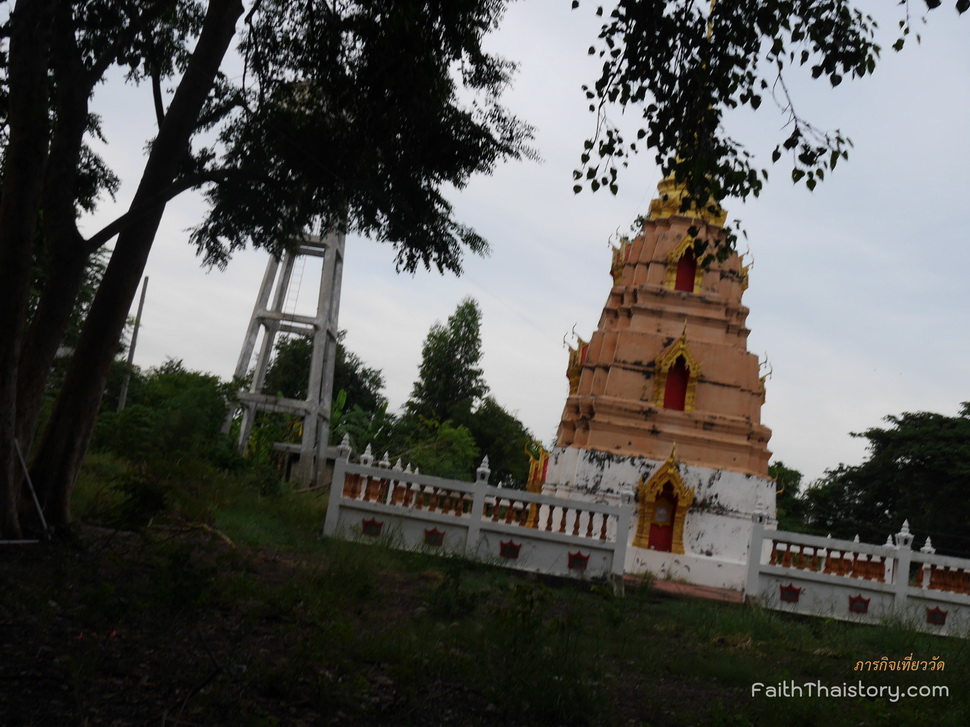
x: 685, y: 65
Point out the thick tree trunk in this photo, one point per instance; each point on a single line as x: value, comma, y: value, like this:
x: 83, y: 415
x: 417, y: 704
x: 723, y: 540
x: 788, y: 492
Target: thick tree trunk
x: 59, y: 456
x: 64, y: 254
x: 65, y: 274
x: 19, y: 205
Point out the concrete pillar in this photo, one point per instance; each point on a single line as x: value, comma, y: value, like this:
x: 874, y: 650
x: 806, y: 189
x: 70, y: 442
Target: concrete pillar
x: 271, y: 318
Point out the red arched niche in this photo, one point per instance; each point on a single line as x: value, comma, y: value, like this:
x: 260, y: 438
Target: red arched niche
x: 686, y: 271
x: 675, y: 391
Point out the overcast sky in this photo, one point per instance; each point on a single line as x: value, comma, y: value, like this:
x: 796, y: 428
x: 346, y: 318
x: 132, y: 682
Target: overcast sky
x: 857, y: 295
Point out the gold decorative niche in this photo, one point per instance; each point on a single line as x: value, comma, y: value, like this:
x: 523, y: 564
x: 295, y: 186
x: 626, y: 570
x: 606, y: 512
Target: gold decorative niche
x: 648, y: 494
x: 673, y: 261
x: 665, y: 361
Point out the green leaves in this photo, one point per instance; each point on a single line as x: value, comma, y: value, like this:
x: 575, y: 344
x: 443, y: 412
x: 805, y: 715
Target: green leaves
x: 289, y: 373
x: 918, y: 468
x: 450, y: 419
x: 394, y: 103
x: 685, y: 65
x: 172, y: 413
x: 450, y: 379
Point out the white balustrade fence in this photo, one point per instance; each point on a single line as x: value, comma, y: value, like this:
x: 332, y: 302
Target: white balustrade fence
x: 792, y: 572
x: 512, y: 528
x: 855, y: 581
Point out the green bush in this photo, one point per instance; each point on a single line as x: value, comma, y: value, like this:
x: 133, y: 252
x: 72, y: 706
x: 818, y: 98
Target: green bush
x: 172, y: 414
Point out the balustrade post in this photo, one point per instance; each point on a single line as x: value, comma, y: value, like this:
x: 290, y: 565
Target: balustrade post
x: 623, y: 521
x: 482, y: 473
x: 924, y: 576
x: 904, y: 555
x: 408, y: 494
x: 344, y: 449
x: 478, y: 509
x: 786, y: 556
x: 336, y: 492
x: 509, y: 511
x: 754, y: 554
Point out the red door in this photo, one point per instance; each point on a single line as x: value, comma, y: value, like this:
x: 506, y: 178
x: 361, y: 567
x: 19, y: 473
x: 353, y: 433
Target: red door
x: 662, y: 527
x: 675, y: 393
x: 686, y: 272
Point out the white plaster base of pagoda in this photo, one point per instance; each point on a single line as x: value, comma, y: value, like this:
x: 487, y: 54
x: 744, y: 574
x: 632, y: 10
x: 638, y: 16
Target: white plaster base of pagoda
x: 717, y: 526
x: 686, y: 568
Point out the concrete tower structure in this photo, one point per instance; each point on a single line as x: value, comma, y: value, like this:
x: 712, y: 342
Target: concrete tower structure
x: 665, y: 400
x: 271, y: 319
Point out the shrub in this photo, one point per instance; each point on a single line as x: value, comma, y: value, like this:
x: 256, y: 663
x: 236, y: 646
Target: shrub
x: 174, y: 414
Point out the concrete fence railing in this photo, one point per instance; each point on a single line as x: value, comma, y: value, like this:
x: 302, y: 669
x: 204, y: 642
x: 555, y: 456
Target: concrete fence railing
x: 863, y: 582
x: 513, y: 528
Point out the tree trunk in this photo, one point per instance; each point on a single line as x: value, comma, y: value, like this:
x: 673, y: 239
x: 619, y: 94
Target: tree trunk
x: 19, y: 209
x: 65, y: 273
x: 65, y: 441
x: 63, y: 255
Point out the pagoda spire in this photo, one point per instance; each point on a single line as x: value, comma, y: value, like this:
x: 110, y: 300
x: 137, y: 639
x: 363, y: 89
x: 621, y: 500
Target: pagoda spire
x: 670, y: 203
x: 668, y: 362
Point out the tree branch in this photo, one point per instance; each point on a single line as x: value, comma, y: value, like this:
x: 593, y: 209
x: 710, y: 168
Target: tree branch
x: 134, y: 214
x: 100, y: 65
x: 220, y: 111
x: 157, y: 90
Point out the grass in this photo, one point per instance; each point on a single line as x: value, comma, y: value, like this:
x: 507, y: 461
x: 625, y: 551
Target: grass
x: 285, y: 627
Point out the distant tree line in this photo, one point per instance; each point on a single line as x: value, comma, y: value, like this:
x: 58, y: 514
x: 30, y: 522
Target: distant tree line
x: 449, y: 422
x: 447, y: 426
x: 917, y: 469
